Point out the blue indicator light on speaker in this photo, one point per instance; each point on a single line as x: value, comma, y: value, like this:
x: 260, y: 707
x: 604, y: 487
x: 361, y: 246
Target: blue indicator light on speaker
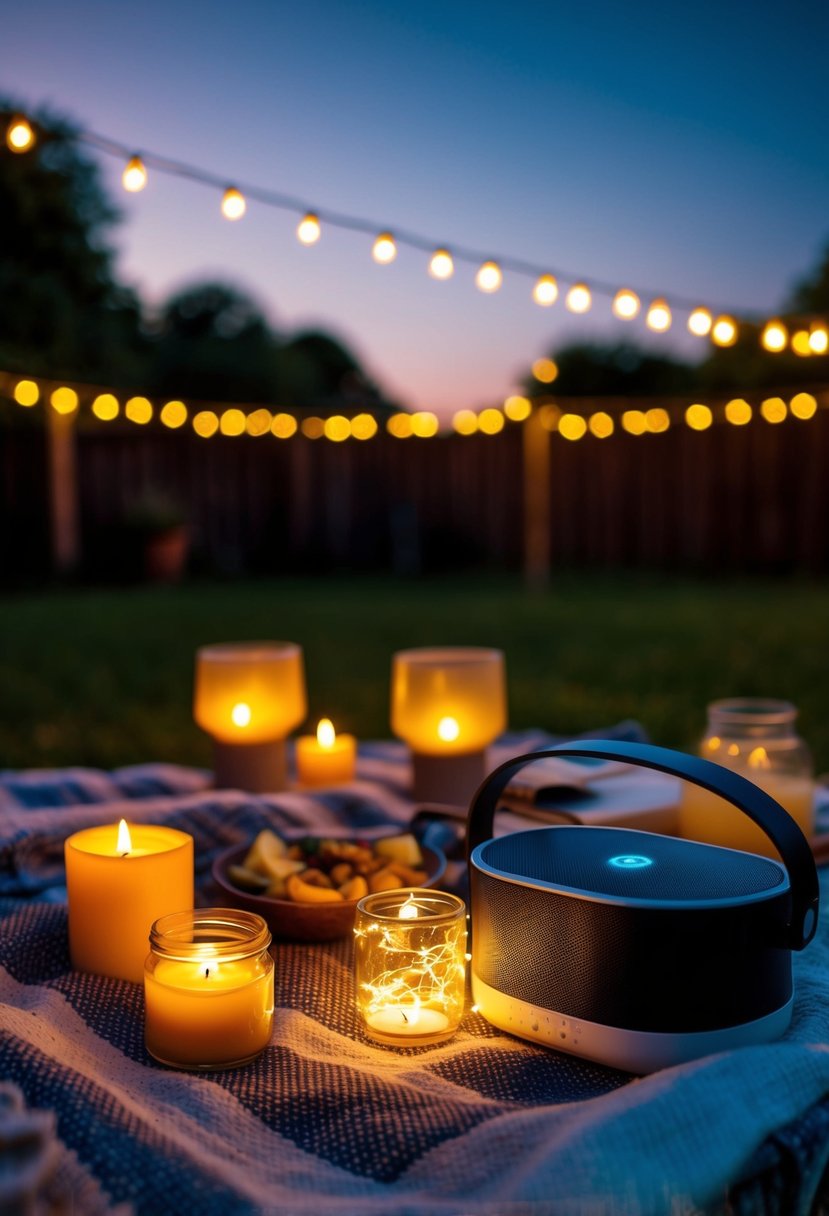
x: 630, y: 861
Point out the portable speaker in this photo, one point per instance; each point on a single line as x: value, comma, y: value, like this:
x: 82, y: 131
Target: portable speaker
x: 633, y: 949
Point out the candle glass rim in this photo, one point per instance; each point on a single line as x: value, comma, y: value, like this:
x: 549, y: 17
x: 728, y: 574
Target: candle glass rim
x: 231, y: 652
x: 370, y: 905
x: 752, y: 711
x: 458, y: 656
x: 240, y: 935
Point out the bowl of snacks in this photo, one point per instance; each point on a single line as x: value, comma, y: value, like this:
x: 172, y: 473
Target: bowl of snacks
x: 308, y: 889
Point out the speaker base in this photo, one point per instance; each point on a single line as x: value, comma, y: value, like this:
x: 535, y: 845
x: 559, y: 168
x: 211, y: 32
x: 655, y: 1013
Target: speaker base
x: 258, y: 768
x: 635, y: 1051
x: 451, y: 779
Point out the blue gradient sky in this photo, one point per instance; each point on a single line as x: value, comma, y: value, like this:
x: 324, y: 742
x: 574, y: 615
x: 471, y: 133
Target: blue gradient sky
x: 670, y: 146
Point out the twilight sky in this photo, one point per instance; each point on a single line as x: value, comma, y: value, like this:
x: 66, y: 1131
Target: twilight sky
x: 683, y: 151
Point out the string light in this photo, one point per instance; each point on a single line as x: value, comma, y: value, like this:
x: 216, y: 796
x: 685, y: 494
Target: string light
x: 601, y: 425
x: 309, y: 229
x: 19, y: 135
x: 545, y: 370
x: 774, y: 409
x: 579, y: 298
x: 173, y: 414
x: 738, y: 412
x: 337, y: 428
x: 399, y: 426
x: 657, y: 420
x: 26, y: 392
x: 775, y: 336
x: 818, y: 340
x: 465, y: 422
x: 138, y: 410
x: 258, y: 423
x: 233, y: 204
x: 634, y: 422
x: 312, y: 428
x: 441, y: 264
x: 424, y: 424
x: 801, y: 344
x: 490, y: 421
x: 545, y: 291
x: 205, y: 423
x: 700, y: 322
x: 384, y: 249
x: 363, y: 426
x: 626, y: 304
x: 517, y: 409
x: 548, y: 416
x: 64, y: 400
x: 659, y: 317
x: 106, y: 407
x: 698, y: 417
x: 134, y: 177
x: 803, y: 406
x: 724, y: 331
x: 284, y: 426
x: 572, y: 426
x: 489, y: 277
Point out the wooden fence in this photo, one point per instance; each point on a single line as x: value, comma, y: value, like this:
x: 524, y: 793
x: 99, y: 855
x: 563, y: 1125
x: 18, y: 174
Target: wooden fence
x: 751, y: 498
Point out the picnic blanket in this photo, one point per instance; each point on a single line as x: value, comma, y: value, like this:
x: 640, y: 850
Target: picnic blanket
x: 326, y: 1121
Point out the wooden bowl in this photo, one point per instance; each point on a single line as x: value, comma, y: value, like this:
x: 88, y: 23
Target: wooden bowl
x: 304, y: 922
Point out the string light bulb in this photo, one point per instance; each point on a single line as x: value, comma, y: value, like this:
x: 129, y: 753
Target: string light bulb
x: 579, y: 298
x: 233, y: 204
x: 134, y: 177
x: 309, y: 229
x: 700, y: 322
x: 775, y: 336
x: 626, y: 304
x: 659, y: 317
x: 724, y: 331
x: 441, y: 265
x: 818, y: 340
x: 19, y: 135
x: 489, y: 277
x: 545, y: 291
x: 800, y: 343
x: 384, y: 249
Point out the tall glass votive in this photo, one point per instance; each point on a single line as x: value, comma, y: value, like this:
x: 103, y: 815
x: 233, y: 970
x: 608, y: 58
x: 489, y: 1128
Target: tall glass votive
x: 208, y: 989
x: 756, y: 738
x: 448, y: 703
x: 410, y: 965
x: 248, y: 697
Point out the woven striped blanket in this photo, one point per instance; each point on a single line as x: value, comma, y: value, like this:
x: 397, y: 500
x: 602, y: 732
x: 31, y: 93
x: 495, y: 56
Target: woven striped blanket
x: 324, y: 1120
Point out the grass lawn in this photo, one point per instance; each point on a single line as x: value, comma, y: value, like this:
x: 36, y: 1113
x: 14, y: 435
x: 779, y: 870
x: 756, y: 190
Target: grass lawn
x: 103, y: 677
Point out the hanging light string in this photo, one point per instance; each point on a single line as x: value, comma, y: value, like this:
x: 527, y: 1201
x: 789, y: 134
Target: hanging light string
x: 572, y: 418
x: 810, y: 334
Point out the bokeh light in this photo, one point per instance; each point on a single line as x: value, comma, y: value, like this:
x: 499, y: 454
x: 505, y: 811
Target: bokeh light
x: 173, y: 414
x: 400, y: 426
x: 738, y: 412
x: 600, y: 425
x: 363, y: 426
x: 105, y: 407
x: 19, y: 135
x: 489, y: 277
x: 545, y: 370
x: 658, y: 420
x: 441, y: 265
x: 64, y: 400
x: 284, y: 426
x: 572, y: 426
x: 775, y: 336
x: 634, y: 422
x: 424, y: 424
x: 698, y: 417
x: 626, y: 304
x: 579, y: 298
x: 337, y: 428
x: 700, y: 322
x: 205, y: 423
x: 803, y: 406
x: 309, y: 229
x: 233, y: 204
x: 490, y: 421
x: 138, y: 410
x: 774, y: 409
x: 312, y: 427
x: 26, y: 392
x: 724, y: 331
x: 258, y: 422
x: 384, y: 249
x: 134, y: 177
x: 659, y: 317
x: 517, y: 409
x: 545, y: 291
x: 465, y: 422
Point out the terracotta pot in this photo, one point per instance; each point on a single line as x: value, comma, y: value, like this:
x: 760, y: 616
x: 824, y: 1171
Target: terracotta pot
x: 165, y: 555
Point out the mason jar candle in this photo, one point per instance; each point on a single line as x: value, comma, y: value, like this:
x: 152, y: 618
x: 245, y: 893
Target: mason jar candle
x: 410, y: 965
x: 208, y: 989
x: 755, y: 737
x: 448, y: 703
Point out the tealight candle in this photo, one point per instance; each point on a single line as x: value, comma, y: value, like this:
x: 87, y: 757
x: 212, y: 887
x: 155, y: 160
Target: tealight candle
x: 248, y: 697
x: 410, y: 965
x: 119, y: 880
x: 208, y: 989
x: 328, y: 759
x: 448, y: 704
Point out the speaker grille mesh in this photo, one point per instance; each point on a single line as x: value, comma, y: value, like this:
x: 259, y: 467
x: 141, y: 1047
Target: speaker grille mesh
x: 639, y: 865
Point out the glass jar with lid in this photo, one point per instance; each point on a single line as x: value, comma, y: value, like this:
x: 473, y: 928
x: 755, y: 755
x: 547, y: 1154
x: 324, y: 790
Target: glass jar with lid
x: 756, y: 738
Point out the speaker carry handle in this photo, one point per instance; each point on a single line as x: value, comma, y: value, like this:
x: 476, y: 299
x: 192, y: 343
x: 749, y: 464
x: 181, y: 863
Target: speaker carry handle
x: 762, y: 809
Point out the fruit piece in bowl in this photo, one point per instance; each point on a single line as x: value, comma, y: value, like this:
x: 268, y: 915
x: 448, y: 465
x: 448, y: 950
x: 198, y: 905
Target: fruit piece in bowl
x: 308, y: 889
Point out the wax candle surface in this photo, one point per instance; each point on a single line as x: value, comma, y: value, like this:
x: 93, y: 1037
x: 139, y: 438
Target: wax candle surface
x: 116, y: 894
x: 327, y: 759
x: 704, y: 816
x: 409, y: 1025
x: 208, y: 1013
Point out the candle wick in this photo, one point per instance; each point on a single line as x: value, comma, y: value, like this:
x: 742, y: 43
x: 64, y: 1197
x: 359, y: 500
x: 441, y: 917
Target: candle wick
x: 403, y: 1015
x: 126, y: 854
x: 207, y: 973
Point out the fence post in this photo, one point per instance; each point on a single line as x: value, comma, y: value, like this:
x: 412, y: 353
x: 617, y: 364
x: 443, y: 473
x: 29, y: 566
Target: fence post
x: 64, y: 531
x: 537, y: 522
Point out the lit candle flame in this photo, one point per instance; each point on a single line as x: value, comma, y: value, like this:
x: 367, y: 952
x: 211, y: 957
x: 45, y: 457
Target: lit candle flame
x: 448, y: 729
x: 240, y: 714
x: 759, y: 758
x: 408, y: 910
x: 325, y: 733
x: 124, y: 844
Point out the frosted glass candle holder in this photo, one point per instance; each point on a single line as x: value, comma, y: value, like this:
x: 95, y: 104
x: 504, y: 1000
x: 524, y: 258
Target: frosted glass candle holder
x: 248, y: 697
